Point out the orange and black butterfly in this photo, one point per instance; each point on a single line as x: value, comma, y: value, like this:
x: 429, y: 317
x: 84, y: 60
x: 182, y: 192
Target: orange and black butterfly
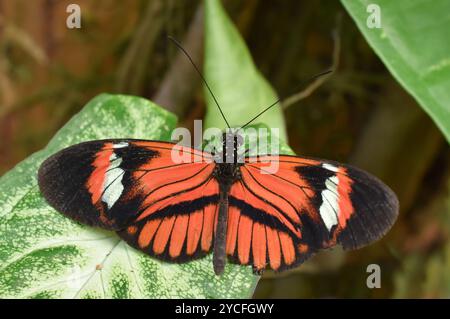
x: 178, y: 212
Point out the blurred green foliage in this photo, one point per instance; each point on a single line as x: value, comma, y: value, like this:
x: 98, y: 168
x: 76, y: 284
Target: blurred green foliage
x: 242, y: 91
x: 412, y: 41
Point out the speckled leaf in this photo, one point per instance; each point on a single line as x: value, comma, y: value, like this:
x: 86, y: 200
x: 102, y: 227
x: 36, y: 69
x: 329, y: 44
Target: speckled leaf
x: 46, y: 255
x: 240, y: 88
x: 413, y: 42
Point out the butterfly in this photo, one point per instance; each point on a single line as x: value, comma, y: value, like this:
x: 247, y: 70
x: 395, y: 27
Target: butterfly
x: 222, y: 202
x: 178, y: 212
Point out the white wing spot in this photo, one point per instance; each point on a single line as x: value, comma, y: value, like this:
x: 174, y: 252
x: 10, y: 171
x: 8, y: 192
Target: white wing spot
x: 112, y: 187
x: 330, y: 167
x: 120, y: 145
x: 329, y: 210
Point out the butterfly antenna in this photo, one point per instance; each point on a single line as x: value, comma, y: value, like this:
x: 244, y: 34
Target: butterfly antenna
x: 281, y: 98
x: 201, y: 76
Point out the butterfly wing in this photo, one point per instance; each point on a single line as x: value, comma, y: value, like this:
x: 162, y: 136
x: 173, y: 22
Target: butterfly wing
x: 164, y: 207
x: 280, y: 218
x: 180, y: 228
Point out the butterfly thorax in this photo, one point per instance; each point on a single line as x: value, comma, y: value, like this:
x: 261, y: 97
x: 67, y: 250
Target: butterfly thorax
x: 229, y: 159
x: 227, y: 172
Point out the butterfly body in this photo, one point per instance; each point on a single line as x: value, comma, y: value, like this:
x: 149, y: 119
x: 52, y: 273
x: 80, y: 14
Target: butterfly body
x: 227, y: 172
x: 227, y: 203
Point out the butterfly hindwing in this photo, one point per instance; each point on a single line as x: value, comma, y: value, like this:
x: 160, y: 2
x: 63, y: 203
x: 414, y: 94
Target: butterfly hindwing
x: 281, y: 218
x: 180, y: 229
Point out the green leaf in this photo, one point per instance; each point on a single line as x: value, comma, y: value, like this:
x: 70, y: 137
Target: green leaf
x: 240, y: 88
x: 413, y: 42
x: 46, y: 255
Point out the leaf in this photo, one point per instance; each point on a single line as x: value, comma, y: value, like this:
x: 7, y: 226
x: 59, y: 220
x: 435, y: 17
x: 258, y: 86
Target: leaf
x: 413, y: 44
x: 238, y: 85
x: 43, y: 254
